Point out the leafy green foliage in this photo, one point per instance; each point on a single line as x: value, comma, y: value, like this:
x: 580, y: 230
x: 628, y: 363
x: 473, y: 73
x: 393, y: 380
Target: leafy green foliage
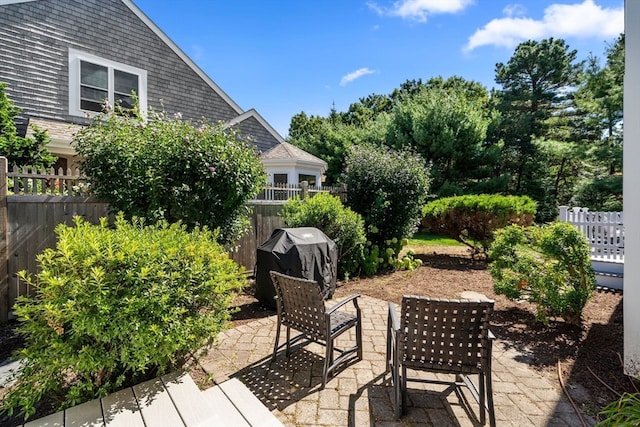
x: 549, y: 266
x: 448, y: 128
x: 346, y: 228
x: 473, y: 220
x: 602, y: 194
x: 552, y: 127
x: 115, y: 306
x: 387, y: 257
x: 21, y: 151
x: 622, y: 412
x: 339, y: 223
x: 388, y: 188
x: 534, y: 104
x: 165, y: 168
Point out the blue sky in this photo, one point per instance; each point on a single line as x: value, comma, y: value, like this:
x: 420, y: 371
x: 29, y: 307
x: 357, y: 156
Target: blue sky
x: 282, y: 57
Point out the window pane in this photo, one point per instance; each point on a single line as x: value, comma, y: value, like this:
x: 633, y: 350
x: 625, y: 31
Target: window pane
x: 124, y: 101
x: 279, y: 178
x: 125, y: 82
x: 93, y: 94
x: 90, y: 105
x: 93, y: 75
x: 92, y: 99
x: 311, y: 179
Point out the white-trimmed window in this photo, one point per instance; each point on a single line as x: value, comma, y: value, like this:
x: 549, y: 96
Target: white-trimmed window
x: 92, y: 80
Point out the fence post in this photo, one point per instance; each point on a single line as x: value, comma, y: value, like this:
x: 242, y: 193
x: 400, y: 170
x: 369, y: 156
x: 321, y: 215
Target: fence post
x: 564, y: 213
x: 4, y: 250
x: 304, y: 190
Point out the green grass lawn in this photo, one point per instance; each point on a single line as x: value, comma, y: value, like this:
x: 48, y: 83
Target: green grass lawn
x: 427, y: 239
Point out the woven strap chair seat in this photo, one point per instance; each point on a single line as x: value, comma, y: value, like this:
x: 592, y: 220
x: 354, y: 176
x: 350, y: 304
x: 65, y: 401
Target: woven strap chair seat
x: 442, y: 336
x: 301, y: 306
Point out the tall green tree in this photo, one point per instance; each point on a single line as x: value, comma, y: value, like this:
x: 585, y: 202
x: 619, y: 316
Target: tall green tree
x: 537, y: 85
x: 446, y: 122
x: 600, y: 104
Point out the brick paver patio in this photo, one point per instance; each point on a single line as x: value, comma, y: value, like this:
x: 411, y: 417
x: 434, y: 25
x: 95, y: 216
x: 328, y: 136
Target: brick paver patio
x: 361, y: 394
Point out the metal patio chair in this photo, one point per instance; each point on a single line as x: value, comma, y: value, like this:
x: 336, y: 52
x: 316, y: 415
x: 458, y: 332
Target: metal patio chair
x: 441, y: 336
x: 300, y: 306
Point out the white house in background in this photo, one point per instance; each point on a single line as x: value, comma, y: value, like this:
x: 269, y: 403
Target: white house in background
x: 631, y: 189
x: 287, y: 164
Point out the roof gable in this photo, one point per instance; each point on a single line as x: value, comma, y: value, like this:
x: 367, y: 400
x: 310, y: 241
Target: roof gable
x: 286, y: 151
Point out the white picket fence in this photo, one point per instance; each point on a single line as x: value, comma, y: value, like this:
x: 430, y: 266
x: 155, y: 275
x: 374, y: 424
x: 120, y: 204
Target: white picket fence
x: 283, y: 192
x: 603, y: 230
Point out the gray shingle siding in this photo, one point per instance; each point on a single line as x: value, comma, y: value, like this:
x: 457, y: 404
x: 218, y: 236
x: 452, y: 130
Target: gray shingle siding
x: 263, y: 139
x: 35, y: 38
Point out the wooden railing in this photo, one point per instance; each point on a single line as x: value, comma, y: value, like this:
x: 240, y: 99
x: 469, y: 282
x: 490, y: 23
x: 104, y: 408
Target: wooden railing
x: 604, y: 231
x: 30, y: 181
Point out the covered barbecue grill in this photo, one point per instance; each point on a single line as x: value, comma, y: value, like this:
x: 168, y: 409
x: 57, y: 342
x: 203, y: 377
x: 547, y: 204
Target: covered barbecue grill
x: 304, y: 252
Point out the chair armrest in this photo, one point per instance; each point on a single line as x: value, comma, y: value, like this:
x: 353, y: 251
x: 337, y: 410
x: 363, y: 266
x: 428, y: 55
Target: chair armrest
x: 343, y: 302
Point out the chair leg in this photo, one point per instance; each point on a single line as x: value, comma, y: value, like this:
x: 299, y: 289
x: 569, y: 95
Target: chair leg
x: 492, y: 414
x: 388, y: 361
x: 403, y: 385
x: 275, y: 346
x: 359, y: 339
x: 397, y: 390
x: 328, y: 361
x: 482, y: 393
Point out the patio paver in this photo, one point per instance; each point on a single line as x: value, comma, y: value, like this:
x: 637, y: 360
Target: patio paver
x: 360, y: 394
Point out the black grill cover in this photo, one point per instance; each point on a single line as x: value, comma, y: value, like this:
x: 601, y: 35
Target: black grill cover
x: 304, y: 252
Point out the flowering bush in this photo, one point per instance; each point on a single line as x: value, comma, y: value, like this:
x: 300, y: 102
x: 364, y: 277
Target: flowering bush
x: 166, y: 168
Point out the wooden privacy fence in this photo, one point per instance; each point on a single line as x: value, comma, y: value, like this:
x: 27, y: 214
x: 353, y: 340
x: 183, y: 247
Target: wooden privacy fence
x: 604, y: 231
x: 34, y: 202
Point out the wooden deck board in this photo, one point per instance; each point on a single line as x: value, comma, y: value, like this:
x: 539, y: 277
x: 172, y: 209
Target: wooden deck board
x: 120, y: 409
x: 225, y: 411
x: 248, y: 404
x: 188, y: 399
x: 171, y: 401
x: 155, y: 404
x: 88, y: 414
x: 53, y: 420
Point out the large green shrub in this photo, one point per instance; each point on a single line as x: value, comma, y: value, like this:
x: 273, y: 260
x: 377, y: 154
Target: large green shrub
x: 166, y: 168
x: 548, y: 265
x: 473, y: 219
x: 339, y: 223
x: 388, y: 188
x: 115, y: 306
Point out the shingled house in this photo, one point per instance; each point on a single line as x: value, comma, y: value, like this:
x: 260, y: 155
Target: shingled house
x: 61, y: 58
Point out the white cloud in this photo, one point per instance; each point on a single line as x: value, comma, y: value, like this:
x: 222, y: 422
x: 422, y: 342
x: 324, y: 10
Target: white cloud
x: 419, y: 10
x: 585, y: 19
x: 512, y: 10
x: 355, y: 75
